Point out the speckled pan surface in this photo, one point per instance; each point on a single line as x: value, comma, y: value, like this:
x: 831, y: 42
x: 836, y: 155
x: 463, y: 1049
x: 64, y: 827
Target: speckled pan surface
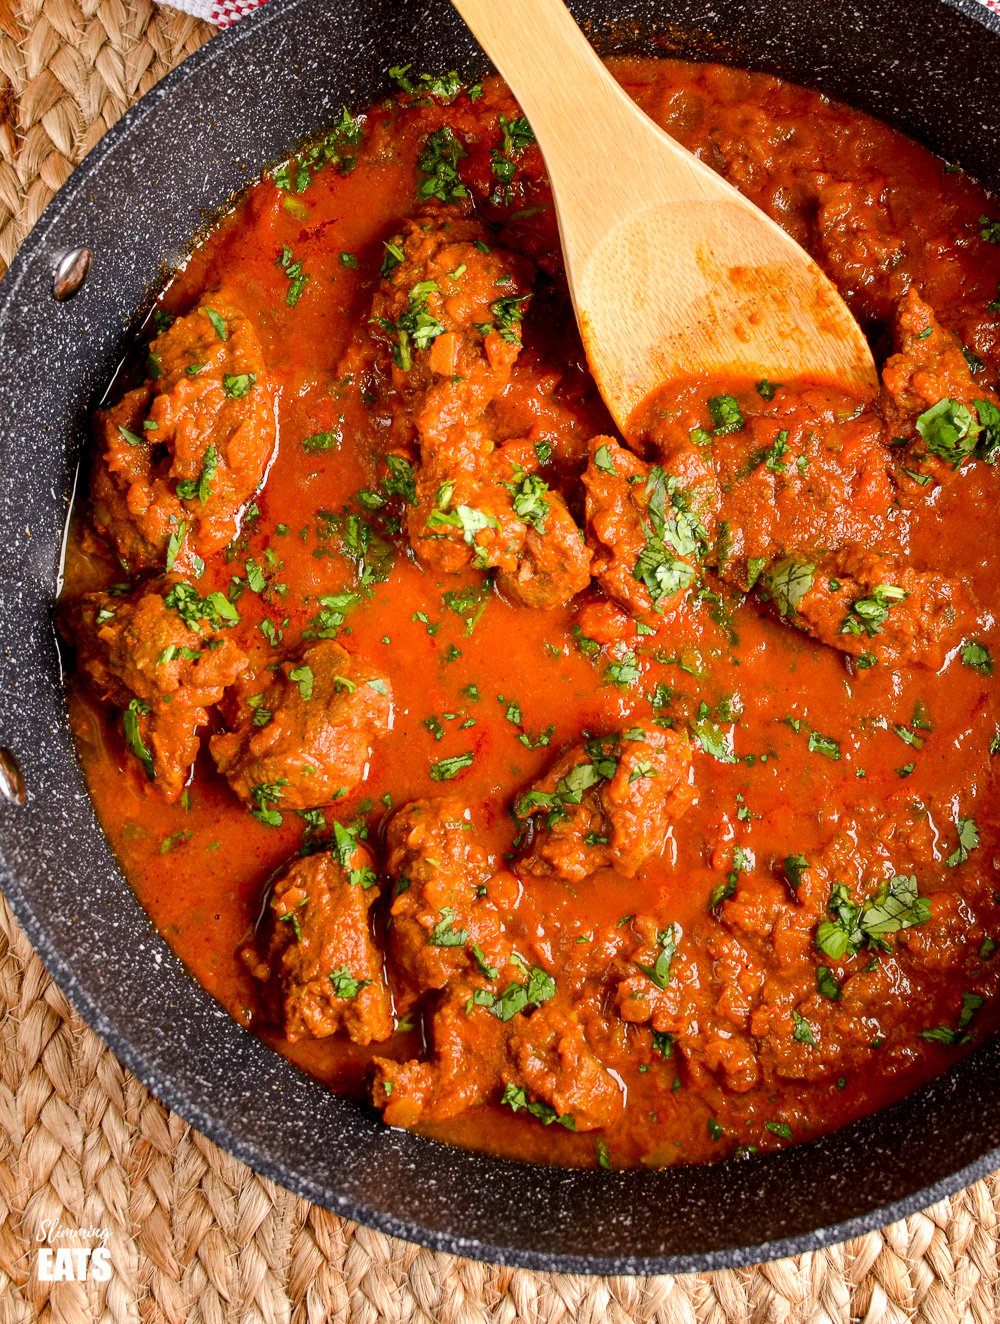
x: 929, y: 68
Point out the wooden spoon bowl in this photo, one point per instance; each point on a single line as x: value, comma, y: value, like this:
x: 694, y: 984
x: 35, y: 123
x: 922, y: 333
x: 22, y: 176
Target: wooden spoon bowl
x: 673, y: 273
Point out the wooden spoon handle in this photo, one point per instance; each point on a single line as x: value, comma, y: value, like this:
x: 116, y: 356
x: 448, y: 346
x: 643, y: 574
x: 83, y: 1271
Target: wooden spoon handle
x: 590, y: 131
x: 543, y: 56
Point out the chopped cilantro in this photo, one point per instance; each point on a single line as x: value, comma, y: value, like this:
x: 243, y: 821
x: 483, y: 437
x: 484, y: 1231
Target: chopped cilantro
x: 344, y: 983
x: 944, y: 1034
x: 321, y: 441
x: 328, y: 620
x: 303, y: 678
x: 265, y: 796
x: 603, y: 460
x: 712, y: 740
x: 726, y: 415
x: 826, y: 984
x: 825, y: 745
x: 133, y: 736
x: 673, y: 533
x: 968, y: 841
x: 174, y: 544
x: 977, y: 656
x: 788, y: 582
x: 214, y: 610
x: 444, y: 87
x: 218, y: 322
x: 447, y: 769
x: 795, y: 867
x: 444, y: 933
x: 588, y: 647
x: 949, y: 430
x: 507, y: 314
x: 297, y: 279
x: 659, y: 972
x: 516, y: 998
x: 896, y: 905
x: 515, y: 1098
x: 530, y: 504
x: 625, y: 671
x: 803, y: 1032
x: 907, y: 736
x: 200, y: 489
x: 439, y: 165
x: 238, y: 385
x: 868, y: 615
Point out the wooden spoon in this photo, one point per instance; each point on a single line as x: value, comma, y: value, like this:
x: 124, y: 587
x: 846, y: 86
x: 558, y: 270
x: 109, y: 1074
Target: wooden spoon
x: 673, y: 273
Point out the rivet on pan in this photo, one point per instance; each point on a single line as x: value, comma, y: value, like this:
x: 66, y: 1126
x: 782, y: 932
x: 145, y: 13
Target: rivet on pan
x: 71, y: 273
x: 11, y: 781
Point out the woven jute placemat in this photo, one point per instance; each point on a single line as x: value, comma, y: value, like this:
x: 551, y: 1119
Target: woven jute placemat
x: 192, y: 1234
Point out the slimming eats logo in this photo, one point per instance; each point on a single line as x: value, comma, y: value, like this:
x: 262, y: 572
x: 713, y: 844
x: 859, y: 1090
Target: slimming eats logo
x: 62, y: 1264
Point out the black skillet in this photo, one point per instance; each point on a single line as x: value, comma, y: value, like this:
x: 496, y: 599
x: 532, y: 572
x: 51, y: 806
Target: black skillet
x: 927, y: 67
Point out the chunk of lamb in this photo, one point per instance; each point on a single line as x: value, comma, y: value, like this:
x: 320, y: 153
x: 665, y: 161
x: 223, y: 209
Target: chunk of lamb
x: 326, y: 710
x: 553, y: 561
x: 862, y: 603
x: 930, y: 369
x: 501, y: 515
x: 608, y: 803
x: 462, y: 518
x: 643, y: 530
x: 156, y: 653
x: 449, y: 311
x: 178, y: 456
x: 550, y: 1059
x: 321, y: 971
x: 461, y: 1071
x: 476, y: 1058
x: 442, y: 910
x: 662, y: 984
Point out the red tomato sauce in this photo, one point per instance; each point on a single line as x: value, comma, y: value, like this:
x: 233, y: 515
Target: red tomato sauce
x: 864, y: 773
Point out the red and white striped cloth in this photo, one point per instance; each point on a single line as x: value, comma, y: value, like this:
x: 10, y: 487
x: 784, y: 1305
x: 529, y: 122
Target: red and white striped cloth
x: 224, y: 12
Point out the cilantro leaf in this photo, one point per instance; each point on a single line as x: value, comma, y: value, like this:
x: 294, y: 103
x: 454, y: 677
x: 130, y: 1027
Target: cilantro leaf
x: 515, y: 1098
x: 825, y: 745
x: 788, y: 582
x: 977, y: 656
x: 238, y: 385
x: 603, y: 460
x: 726, y: 414
x: 896, y: 905
x: 968, y: 841
x: 868, y: 615
x: 447, y: 769
x: 659, y: 972
x: 826, y: 984
x: 218, y: 322
x: 517, y: 998
x: 444, y: 933
x: 133, y: 735
x: 438, y: 163
x: 803, y: 1032
x: 949, y: 430
x: 303, y: 678
x: 530, y: 505
x: 344, y: 983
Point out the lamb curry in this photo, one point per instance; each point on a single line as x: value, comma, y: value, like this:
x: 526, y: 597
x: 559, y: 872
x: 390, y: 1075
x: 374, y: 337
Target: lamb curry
x: 588, y: 798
